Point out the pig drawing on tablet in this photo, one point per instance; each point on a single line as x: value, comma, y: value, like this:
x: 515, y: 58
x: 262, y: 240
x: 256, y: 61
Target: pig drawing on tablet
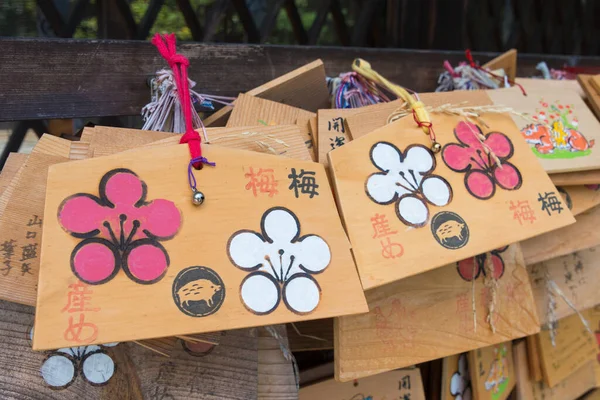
x: 198, y: 290
x: 450, y: 229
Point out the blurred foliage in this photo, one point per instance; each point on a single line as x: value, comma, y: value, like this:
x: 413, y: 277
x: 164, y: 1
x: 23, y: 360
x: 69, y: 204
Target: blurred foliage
x: 19, y: 18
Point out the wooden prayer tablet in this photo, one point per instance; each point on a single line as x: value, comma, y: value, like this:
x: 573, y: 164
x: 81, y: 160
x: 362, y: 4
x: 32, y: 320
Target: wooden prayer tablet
x: 407, y: 210
x: 333, y: 132
x: 492, y: 372
x: 575, y: 347
x: 430, y: 315
x: 560, y: 129
x: 592, y: 315
x: 506, y: 61
x: 592, y: 93
x: 581, y: 235
x: 400, y: 384
x: 591, y: 177
x: 576, y: 275
x: 251, y: 111
x: 129, y: 257
x: 580, y: 198
x: 570, y: 388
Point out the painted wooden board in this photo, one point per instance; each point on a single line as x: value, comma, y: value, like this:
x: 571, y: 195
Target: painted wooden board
x: 506, y: 61
x: 533, y: 358
x: 402, y: 384
x: 13, y: 163
x: 595, y: 81
x: 315, y: 133
x: 21, y: 221
x: 396, y: 230
x: 580, y: 198
x: 456, y: 378
x: 592, y: 315
x: 577, y: 276
x: 303, y: 87
x: 592, y: 94
x: 576, y: 178
x: 579, y: 236
x: 429, y: 316
x: 333, y: 132
x: 492, y: 372
x: 570, y: 388
x: 593, y: 395
x: 367, y: 119
x: 218, y: 249
x: 251, y: 111
x: 282, y: 140
x: 565, y: 131
x: 311, y: 335
x: 124, y: 371
x: 276, y: 377
x: 112, y: 140
x: 575, y: 346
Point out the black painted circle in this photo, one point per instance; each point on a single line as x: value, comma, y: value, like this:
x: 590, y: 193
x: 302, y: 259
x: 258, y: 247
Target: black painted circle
x: 450, y: 230
x: 198, y: 291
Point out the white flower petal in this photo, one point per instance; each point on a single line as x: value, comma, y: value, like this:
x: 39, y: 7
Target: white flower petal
x: 260, y: 293
x: 280, y: 225
x: 457, y: 384
x: 98, y: 368
x: 313, y: 253
x: 436, y: 190
x: 386, y: 157
x: 58, y: 371
x: 113, y: 344
x: 246, y: 250
x: 301, y: 293
x: 88, y: 349
x: 413, y: 210
x: 382, y: 188
x: 418, y: 158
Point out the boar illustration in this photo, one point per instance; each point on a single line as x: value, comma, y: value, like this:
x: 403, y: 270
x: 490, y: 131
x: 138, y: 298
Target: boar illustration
x: 198, y: 290
x: 450, y: 229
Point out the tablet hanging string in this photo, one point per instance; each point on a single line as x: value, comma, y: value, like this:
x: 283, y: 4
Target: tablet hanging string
x: 166, y: 45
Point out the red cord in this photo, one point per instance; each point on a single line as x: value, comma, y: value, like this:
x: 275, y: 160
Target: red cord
x: 473, y: 65
x: 425, y: 124
x: 166, y: 45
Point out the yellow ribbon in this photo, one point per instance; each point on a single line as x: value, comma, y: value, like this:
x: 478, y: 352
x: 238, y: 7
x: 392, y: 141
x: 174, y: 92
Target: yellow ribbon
x: 363, y: 68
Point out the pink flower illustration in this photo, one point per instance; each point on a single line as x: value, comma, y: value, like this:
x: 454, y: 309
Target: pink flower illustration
x: 120, y: 229
x: 470, y: 268
x: 482, y: 173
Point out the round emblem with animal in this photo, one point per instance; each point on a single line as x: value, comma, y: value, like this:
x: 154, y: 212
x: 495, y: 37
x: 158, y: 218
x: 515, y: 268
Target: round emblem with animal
x: 450, y: 230
x: 198, y: 291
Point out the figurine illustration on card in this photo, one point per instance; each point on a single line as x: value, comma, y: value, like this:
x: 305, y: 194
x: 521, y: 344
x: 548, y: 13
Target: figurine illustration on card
x: 120, y: 229
x: 470, y: 268
x: 556, y: 134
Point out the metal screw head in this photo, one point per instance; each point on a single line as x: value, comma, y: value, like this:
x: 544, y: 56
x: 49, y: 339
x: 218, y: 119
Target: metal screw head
x: 197, y: 198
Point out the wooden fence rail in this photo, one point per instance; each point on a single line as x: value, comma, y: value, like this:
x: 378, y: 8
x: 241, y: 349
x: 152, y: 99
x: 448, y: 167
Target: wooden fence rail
x: 65, y: 78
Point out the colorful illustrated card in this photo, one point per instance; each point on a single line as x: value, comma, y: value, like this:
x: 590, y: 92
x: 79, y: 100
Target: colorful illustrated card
x: 408, y: 210
x: 492, y: 372
x: 129, y: 256
x: 402, y: 384
x: 560, y: 129
x: 437, y: 314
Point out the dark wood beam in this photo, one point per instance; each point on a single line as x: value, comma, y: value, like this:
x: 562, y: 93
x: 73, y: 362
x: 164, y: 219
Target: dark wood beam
x: 53, y: 16
x: 64, y: 78
x: 315, y: 30
x: 149, y: 18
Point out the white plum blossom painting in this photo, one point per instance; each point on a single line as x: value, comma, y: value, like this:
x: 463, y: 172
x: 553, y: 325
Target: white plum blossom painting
x: 281, y: 262
x: 406, y: 179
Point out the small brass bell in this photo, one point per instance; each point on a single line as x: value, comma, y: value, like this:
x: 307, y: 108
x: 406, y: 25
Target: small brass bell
x: 197, y: 197
x: 436, y: 147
